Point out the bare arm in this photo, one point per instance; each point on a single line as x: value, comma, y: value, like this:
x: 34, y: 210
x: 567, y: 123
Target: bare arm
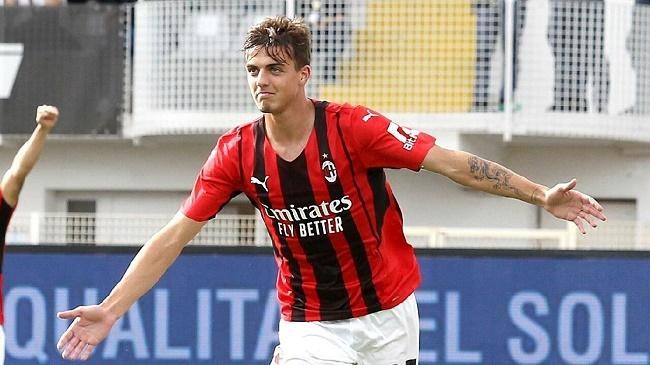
x: 469, y: 170
x: 480, y: 174
x: 93, y: 323
x: 26, y: 157
x: 151, y: 262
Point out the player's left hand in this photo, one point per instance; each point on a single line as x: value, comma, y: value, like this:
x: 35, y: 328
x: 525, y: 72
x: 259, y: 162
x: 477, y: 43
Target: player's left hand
x: 47, y: 116
x: 564, y: 202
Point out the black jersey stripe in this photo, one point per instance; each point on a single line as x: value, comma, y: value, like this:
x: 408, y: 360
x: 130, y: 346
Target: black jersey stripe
x: 5, y: 215
x: 354, y: 180
x: 240, y: 152
x: 350, y: 231
x: 319, y: 251
x: 377, y: 181
x: 330, y: 286
x: 259, y: 171
x: 240, y: 146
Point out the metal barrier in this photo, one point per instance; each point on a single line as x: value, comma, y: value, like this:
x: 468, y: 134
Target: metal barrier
x: 127, y: 229
x: 249, y: 230
x: 444, y: 237
x: 519, y: 67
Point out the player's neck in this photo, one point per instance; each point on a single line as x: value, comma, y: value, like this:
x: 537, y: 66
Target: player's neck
x: 292, y: 124
x: 289, y: 130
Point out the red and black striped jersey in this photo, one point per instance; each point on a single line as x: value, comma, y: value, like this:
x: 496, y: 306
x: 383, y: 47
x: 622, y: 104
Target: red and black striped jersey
x: 6, y: 212
x: 336, y: 227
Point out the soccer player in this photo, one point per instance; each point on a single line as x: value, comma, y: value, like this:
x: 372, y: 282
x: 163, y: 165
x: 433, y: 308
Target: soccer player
x: 12, y: 184
x: 314, y: 170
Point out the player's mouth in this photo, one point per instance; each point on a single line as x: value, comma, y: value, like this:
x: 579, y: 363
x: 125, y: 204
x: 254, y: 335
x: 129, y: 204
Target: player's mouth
x: 264, y: 95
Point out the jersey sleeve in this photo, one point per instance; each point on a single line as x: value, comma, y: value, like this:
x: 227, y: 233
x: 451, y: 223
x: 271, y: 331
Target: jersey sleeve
x: 217, y: 182
x: 381, y: 142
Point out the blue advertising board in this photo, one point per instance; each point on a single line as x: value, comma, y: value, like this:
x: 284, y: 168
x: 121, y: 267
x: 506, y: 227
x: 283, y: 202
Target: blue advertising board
x: 220, y: 308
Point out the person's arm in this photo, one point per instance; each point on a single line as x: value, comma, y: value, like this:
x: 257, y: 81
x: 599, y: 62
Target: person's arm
x: 562, y: 201
x: 93, y: 323
x: 26, y: 157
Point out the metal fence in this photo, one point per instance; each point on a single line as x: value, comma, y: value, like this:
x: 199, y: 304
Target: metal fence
x: 127, y: 229
x: 569, y: 68
x: 249, y: 230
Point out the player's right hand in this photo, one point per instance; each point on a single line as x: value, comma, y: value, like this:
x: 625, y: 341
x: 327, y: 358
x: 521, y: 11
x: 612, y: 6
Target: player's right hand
x: 47, y: 116
x: 90, y: 325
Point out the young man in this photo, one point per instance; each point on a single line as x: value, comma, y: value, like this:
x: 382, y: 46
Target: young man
x: 12, y: 184
x: 315, y: 172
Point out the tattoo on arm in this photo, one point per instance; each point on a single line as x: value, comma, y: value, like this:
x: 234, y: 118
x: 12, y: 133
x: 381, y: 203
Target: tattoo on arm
x: 500, y: 176
x: 535, y: 192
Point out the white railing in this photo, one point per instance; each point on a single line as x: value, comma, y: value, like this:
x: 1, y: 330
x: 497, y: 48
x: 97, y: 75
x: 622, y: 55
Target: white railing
x: 612, y: 235
x: 248, y: 230
x: 127, y: 229
x: 444, y: 237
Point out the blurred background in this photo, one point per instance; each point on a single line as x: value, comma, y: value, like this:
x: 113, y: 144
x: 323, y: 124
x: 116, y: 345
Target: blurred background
x: 553, y: 89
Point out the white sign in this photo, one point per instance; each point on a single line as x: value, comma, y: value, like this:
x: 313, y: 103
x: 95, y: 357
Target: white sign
x: 11, y: 55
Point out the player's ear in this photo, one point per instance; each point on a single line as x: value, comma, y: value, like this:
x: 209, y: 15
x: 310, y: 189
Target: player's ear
x: 305, y: 73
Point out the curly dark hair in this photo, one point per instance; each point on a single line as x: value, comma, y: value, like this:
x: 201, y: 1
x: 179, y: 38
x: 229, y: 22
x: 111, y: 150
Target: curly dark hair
x: 280, y: 37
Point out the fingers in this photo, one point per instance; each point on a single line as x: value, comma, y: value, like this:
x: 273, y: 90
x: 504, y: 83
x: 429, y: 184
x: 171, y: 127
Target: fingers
x: 66, y: 337
x: 594, y: 212
x: 75, y: 351
x: 69, y: 314
x: 588, y: 218
x: 596, y: 205
x: 589, y: 214
x: 47, y: 113
x: 73, y: 347
x: 69, y: 348
x: 568, y: 186
x: 593, y: 204
x: 48, y: 110
x: 579, y: 224
x: 85, y: 354
x: 79, y: 351
x: 591, y: 207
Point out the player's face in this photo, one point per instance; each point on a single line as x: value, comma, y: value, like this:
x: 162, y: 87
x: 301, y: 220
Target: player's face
x: 275, y: 85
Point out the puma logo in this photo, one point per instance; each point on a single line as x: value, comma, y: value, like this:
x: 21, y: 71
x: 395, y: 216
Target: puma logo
x: 370, y: 114
x: 257, y: 181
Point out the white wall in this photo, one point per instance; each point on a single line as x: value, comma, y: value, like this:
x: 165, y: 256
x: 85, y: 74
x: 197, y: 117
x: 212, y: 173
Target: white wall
x: 604, y: 171
x: 123, y: 177
x: 155, y: 177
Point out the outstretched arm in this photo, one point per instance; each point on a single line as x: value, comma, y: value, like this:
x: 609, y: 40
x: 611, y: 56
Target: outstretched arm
x: 93, y: 323
x: 26, y: 157
x: 562, y: 201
